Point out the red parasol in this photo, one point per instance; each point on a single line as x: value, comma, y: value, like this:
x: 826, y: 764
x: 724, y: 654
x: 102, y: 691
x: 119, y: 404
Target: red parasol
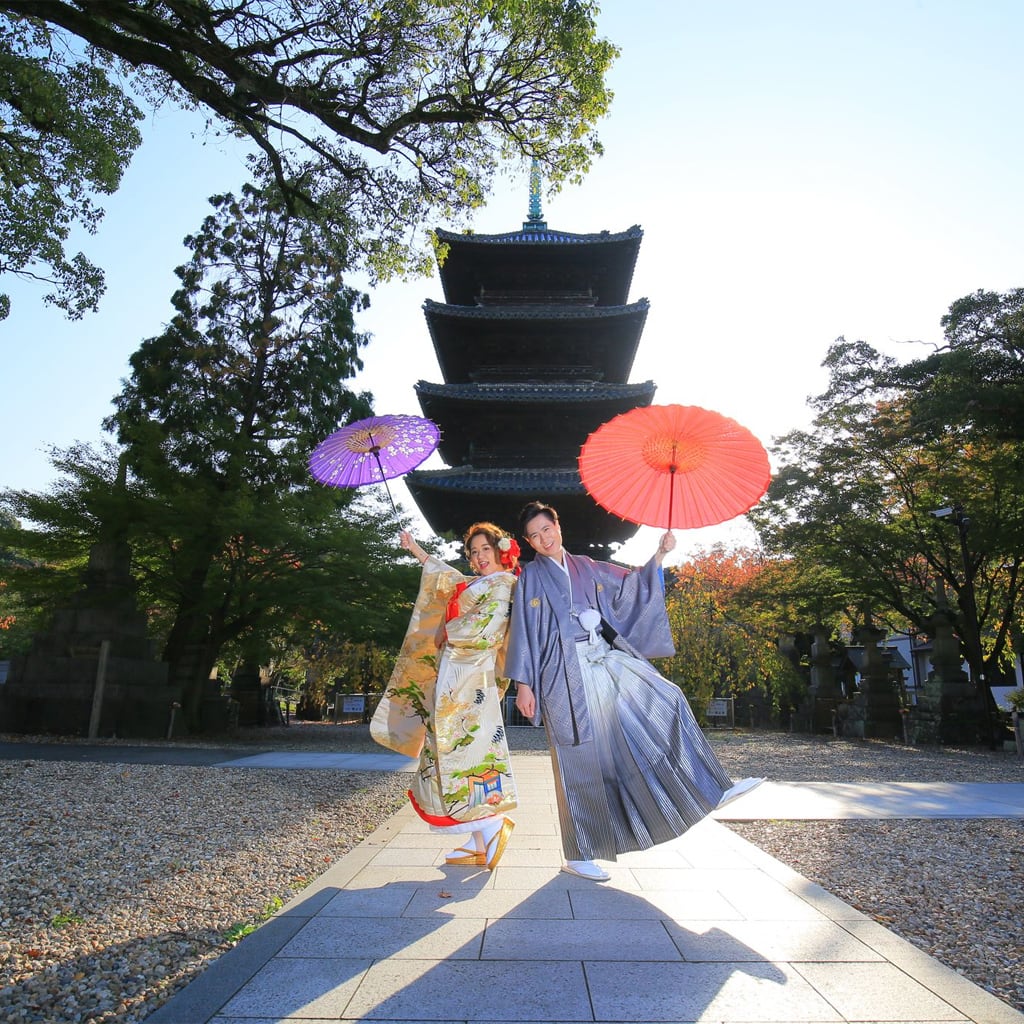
x: 373, y: 451
x: 674, y: 467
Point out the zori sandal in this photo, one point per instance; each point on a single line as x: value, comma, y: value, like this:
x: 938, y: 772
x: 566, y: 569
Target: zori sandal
x: 464, y: 855
x: 497, y: 842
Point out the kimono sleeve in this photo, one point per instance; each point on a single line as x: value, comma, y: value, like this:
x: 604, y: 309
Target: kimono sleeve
x: 522, y: 662
x: 398, y: 722
x: 636, y: 609
x: 534, y: 647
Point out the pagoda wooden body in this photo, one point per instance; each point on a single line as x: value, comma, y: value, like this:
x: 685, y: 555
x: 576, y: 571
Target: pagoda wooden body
x: 535, y: 342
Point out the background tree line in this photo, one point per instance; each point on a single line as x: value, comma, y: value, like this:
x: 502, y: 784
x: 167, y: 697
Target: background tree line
x: 848, y: 526
x: 273, y: 568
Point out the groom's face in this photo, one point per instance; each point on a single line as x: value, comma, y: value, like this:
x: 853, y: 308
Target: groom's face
x: 544, y: 536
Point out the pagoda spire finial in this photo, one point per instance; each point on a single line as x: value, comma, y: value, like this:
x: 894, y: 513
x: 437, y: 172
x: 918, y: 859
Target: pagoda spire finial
x: 535, y: 221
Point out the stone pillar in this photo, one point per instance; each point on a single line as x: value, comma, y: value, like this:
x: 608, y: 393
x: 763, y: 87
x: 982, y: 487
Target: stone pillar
x: 249, y: 688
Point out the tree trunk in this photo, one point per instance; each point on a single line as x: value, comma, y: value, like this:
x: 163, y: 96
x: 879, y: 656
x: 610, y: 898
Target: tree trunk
x: 191, y: 652
x: 192, y: 647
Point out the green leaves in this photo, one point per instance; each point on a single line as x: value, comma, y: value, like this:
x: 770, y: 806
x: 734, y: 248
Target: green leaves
x: 246, y: 379
x: 722, y: 646
x: 234, y: 545
x: 890, y: 444
x: 67, y: 133
x: 977, y: 380
x: 404, y: 109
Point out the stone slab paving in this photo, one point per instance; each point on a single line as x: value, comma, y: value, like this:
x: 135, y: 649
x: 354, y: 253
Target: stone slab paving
x: 794, y: 801
x: 706, y: 928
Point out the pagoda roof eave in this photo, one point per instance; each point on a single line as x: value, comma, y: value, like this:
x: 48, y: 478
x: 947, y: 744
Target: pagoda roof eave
x: 438, y: 310
x: 450, y: 499
x: 491, y: 426
x: 582, y: 393
x: 600, y: 264
x: 601, y: 341
x: 497, y: 481
x: 544, y: 236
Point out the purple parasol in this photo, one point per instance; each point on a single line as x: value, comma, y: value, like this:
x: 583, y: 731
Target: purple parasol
x: 373, y: 451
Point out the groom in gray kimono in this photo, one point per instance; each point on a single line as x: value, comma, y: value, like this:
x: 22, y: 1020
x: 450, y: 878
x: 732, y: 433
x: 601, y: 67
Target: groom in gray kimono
x: 632, y: 767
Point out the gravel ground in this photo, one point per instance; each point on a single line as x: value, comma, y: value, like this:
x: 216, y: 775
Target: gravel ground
x: 122, y: 881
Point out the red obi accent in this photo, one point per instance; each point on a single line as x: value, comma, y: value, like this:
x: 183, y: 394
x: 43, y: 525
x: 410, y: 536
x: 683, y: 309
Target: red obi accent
x: 431, y: 819
x: 453, y: 605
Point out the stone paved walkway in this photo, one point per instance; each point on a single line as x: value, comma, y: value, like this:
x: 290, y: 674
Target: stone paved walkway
x: 706, y: 928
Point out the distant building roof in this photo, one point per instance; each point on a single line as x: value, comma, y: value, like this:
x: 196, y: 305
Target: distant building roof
x: 890, y: 655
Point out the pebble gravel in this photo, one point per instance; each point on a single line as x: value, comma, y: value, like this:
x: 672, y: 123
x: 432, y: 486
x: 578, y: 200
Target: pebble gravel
x: 120, y: 882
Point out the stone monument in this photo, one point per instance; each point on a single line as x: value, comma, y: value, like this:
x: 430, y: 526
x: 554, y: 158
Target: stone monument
x: 949, y: 710
x: 824, y: 693
x: 93, y: 672
x: 878, y: 691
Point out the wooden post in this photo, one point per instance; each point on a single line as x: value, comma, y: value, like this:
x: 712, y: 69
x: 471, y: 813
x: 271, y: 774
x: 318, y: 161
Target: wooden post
x: 175, y: 708
x: 97, y: 693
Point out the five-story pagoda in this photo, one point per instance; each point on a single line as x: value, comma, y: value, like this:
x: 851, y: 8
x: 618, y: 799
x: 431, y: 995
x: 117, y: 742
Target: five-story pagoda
x: 535, y: 342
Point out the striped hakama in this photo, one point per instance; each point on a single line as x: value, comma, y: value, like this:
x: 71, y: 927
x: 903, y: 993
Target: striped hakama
x: 646, y: 775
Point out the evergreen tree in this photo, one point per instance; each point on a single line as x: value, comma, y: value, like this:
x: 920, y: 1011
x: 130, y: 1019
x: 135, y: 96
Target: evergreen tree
x: 221, y: 411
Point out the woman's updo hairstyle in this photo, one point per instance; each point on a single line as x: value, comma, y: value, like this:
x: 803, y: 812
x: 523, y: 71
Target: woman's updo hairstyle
x: 507, y: 548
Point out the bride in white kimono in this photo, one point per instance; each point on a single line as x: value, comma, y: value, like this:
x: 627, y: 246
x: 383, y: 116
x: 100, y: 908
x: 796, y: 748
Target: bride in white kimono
x: 443, y: 702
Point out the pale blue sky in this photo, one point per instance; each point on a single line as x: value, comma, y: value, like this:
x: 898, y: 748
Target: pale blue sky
x: 801, y: 170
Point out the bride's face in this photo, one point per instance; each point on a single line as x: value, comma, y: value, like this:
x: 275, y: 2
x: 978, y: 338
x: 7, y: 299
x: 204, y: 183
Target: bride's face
x: 483, y: 556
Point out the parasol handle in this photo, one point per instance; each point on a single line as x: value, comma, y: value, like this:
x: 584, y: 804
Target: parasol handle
x: 672, y: 467
x: 375, y: 449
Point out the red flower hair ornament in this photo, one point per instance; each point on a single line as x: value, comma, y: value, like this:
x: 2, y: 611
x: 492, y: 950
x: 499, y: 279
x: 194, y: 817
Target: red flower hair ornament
x: 508, y: 549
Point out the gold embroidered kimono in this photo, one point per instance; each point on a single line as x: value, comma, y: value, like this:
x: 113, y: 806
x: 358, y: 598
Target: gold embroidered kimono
x: 444, y: 706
